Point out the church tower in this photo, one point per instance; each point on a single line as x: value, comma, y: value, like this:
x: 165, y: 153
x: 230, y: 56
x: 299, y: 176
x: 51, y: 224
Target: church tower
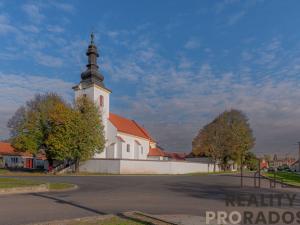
x: 92, y: 85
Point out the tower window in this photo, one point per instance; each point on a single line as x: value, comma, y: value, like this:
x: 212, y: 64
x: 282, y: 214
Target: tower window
x: 101, y: 99
x: 128, y: 147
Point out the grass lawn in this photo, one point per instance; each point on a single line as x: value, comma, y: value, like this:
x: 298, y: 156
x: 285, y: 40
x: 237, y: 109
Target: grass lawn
x: 3, y: 171
x: 111, y: 221
x: 206, y: 173
x: 285, y: 177
x: 13, y: 182
x: 7, y: 182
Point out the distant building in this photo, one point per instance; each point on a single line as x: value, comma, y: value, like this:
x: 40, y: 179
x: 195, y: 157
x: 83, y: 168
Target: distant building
x: 277, y: 162
x: 10, y: 158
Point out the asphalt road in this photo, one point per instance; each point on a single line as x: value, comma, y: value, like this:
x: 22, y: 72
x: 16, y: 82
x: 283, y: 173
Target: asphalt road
x: 96, y: 195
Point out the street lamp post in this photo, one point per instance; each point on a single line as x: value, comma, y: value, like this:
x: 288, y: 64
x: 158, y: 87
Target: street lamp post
x: 242, y: 183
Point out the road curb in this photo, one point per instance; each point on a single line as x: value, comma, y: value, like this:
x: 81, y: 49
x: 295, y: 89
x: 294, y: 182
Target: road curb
x: 43, y: 188
x: 82, y: 219
x: 144, y: 217
x: 24, y: 190
x: 75, y: 187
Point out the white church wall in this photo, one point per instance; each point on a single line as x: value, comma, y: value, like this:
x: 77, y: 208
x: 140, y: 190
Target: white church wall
x: 111, y: 133
x: 119, y: 149
x: 89, y: 92
x: 136, y: 150
x: 97, y: 92
x: 127, y: 166
x: 110, y: 151
x: 130, y: 139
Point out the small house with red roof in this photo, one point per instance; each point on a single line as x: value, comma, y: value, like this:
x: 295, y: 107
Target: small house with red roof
x: 11, y: 158
x: 125, y: 138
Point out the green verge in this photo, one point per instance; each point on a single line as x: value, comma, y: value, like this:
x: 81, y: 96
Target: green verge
x: 285, y: 177
x: 111, y: 221
x: 3, y: 171
x: 6, y: 182
x: 210, y: 173
x: 13, y: 183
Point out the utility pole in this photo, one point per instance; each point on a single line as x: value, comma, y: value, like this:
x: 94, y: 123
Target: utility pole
x: 242, y: 184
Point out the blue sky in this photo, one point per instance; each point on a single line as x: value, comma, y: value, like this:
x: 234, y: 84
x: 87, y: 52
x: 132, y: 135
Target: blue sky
x: 172, y: 65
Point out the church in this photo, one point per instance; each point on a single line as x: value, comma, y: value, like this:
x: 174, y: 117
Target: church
x: 125, y: 138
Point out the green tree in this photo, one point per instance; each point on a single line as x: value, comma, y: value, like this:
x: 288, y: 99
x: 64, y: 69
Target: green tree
x: 30, y: 125
x: 240, y: 137
x: 61, y: 120
x: 208, y: 142
x: 62, y: 131
x: 227, y: 138
x: 89, y: 136
x: 251, y: 161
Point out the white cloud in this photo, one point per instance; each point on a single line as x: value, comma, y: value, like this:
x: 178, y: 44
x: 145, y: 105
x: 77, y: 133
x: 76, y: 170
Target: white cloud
x: 31, y: 28
x: 222, y: 5
x: 184, y: 63
x: 113, y: 34
x: 5, y: 26
x: 63, y: 6
x: 16, y: 89
x: 233, y: 19
x: 4, y: 18
x: 246, y: 55
x: 192, y: 43
x: 55, y: 29
x: 173, y: 100
x: 181, y: 103
x: 48, y: 60
x: 33, y: 12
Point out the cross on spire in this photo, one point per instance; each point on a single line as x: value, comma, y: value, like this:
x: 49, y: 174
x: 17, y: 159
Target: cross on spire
x: 92, y: 38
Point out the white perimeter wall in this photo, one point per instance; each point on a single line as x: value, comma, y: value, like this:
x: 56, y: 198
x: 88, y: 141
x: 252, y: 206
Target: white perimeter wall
x: 123, y: 166
x: 101, y: 166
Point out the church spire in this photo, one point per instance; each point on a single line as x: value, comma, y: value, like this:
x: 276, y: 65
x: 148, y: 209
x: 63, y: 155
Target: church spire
x: 92, y: 74
x: 92, y: 38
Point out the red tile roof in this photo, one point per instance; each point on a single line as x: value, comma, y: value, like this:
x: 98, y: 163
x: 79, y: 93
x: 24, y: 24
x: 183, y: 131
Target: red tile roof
x: 156, y: 152
x: 7, y: 149
x: 128, y: 126
x: 176, y: 156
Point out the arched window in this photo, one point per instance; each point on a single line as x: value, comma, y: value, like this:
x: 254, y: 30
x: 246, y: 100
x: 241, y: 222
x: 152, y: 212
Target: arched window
x: 128, y: 147
x: 142, y: 150
x: 101, y: 99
